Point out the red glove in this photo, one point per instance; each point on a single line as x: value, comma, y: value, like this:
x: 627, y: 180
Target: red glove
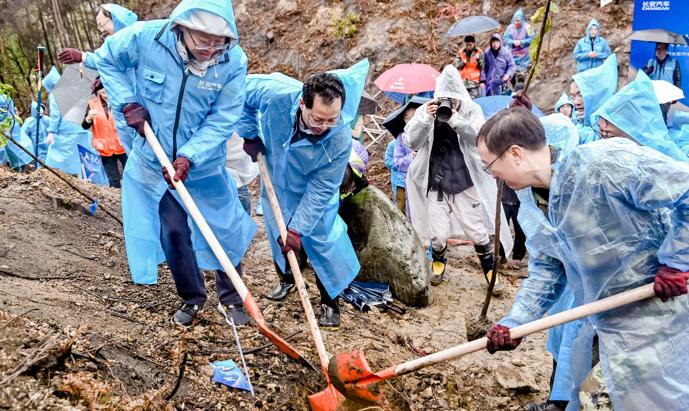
x: 70, y: 56
x: 670, y: 283
x: 499, y: 339
x: 136, y: 115
x: 181, y: 166
x: 520, y: 99
x: 649, y: 70
x: 254, y: 146
x: 293, y: 243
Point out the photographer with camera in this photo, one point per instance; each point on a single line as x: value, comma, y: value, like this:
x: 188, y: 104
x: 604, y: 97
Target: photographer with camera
x: 449, y: 194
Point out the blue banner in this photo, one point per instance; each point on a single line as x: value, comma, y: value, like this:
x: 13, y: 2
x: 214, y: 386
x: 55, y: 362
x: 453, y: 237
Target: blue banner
x: 667, y: 15
x: 91, y: 166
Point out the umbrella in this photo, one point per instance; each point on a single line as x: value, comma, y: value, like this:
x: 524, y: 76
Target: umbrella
x: 666, y: 91
x: 408, y: 79
x: 659, y: 36
x: 394, y: 122
x: 367, y: 105
x: 73, y: 91
x: 472, y: 25
x: 492, y: 104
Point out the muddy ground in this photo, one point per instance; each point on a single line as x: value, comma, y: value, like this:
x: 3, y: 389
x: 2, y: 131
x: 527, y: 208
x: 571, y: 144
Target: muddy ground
x: 76, y: 333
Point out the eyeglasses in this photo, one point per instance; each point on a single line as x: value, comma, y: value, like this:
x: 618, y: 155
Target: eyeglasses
x: 321, y: 123
x: 206, y: 46
x: 487, y: 168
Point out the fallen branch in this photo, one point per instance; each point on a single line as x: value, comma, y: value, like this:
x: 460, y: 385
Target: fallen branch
x: 16, y: 318
x: 262, y: 347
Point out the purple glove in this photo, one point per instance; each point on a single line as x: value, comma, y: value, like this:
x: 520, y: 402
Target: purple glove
x: 293, y: 243
x: 181, y: 166
x: 70, y: 56
x: 136, y: 115
x: 648, y: 70
x: 670, y: 283
x: 499, y: 339
x: 254, y: 146
x: 521, y: 99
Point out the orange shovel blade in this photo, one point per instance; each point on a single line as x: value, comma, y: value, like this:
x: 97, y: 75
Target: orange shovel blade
x: 350, y: 373
x: 327, y: 400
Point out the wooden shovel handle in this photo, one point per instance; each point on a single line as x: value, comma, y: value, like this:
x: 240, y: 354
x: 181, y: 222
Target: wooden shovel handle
x: 605, y: 304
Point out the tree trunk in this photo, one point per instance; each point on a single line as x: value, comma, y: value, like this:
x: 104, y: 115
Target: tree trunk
x: 64, y: 40
x: 45, y: 37
x: 85, y: 22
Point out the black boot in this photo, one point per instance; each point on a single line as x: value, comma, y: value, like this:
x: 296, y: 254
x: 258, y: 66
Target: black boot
x: 485, y: 257
x: 330, y: 316
x: 285, y: 286
x: 547, y: 406
x: 438, y: 266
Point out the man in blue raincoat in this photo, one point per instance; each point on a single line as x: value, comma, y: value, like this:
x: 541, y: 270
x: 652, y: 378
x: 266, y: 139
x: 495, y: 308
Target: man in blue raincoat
x: 589, y: 90
x: 518, y: 36
x: 663, y: 67
x: 620, y: 222
x: 592, y: 49
x: 29, y: 128
x: 303, y: 131
x: 12, y: 154
x: 110, y: 19
x: 190, y: 79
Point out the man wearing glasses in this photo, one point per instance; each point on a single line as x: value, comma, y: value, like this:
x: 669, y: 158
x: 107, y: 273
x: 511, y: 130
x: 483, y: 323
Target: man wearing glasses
x: 302, y: 129
x: 189, y: 86
x: 449, y: 194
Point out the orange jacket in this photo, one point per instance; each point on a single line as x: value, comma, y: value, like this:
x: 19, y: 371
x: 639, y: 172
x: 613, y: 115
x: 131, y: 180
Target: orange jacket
x: 474, y: 64
x: 105, y: 138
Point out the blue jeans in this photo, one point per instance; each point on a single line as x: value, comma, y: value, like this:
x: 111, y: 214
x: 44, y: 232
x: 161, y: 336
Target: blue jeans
x: 175, y: 238
x: 245, y: 198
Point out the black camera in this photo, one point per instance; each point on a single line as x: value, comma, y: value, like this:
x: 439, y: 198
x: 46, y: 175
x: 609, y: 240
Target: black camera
x: 444, y: 111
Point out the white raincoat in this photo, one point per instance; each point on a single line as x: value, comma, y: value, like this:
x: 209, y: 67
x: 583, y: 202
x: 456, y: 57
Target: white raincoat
x: 418, y: 135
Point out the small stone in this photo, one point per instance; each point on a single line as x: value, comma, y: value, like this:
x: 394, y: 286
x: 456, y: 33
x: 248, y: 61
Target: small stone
x: 427, y: 393
x: 511, y: 377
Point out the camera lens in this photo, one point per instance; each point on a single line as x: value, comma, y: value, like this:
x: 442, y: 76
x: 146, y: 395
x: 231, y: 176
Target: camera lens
x: 444, y: 111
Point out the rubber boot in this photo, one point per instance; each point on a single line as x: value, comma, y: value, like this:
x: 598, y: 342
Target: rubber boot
x: 485, y: 257
x: 438, y: 266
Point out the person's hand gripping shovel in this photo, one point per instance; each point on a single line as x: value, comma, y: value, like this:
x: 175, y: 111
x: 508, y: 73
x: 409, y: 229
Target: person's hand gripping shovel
x: 219, y: 252
x: 330, y: 398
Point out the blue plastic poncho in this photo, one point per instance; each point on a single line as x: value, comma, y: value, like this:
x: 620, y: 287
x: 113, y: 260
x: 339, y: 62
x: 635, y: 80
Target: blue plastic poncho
x: 396, y: 176
x: 196, y: 125
x: 29, y: 128
x: 597, y: 86
x: 63, y: 153
x: 563, y: 100
x: 635, y: 110
x: 121, y: 18
x: 306, y: 175
x: 585, y: 45
x: 11, y: 153
x: 617, y: 215
x: 524, y: 35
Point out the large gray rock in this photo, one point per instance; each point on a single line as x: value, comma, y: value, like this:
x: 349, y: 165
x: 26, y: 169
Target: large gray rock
x: 387, y: 246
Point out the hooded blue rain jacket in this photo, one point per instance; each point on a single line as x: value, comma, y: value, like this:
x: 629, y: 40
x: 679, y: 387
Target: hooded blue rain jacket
x: 586, y: 45
x: 63, y: 152
x: 306, y: 175
x: 10, y: 153
x: 193, y: 117
x: 29, y: 128
x: 635, y: 110
x: 596, y: 86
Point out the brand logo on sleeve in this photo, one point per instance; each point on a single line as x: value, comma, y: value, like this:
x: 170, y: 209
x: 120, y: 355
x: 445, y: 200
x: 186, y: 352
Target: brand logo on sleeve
x: 655, y: 5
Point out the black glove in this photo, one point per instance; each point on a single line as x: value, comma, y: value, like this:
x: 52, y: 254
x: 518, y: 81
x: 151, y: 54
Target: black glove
x: 254, y: 146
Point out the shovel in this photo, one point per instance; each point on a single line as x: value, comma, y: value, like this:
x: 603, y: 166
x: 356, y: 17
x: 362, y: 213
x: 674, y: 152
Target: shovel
x: 353, y: 377
x: 328, y: 398
x: 247, y: 298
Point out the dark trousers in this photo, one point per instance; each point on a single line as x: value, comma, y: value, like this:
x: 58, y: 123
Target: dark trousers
x: 511, y: 211
x: 112, y: 169
x: 287, y: 277
x: 175, y: 238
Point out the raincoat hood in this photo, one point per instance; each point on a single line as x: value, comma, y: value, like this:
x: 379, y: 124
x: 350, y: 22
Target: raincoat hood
x: 635, y: 110
x: 592, y: 23
x: 207, y: 16
x: 564, y: 99
x: 597, y: 85
x: 518, y: 15
x: 34, y: 109
x: 497, y: 37
x: 51, y: 79
x: 449, y: 84
x: 121, y: 16
x: 353, y: 79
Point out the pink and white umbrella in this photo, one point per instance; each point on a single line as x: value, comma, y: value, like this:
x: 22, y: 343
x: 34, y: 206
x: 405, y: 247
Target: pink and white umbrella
x: 408, y: 79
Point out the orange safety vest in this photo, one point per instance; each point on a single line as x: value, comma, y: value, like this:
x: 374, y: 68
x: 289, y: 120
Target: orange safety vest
x: 105, y: 138
x: 470, y: 71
